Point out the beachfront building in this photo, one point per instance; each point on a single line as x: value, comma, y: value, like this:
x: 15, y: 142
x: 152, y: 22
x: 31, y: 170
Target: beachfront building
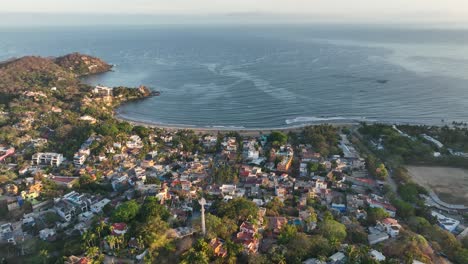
x: 102, y: 91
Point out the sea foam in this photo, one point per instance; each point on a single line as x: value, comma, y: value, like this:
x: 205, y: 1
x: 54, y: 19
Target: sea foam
x: 314, y: 119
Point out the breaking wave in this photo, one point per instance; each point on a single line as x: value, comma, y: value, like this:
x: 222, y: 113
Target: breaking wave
x: 314, y: 119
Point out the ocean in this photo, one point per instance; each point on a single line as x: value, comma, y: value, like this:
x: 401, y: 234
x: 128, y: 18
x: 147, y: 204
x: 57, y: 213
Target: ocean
x: 271, y: 76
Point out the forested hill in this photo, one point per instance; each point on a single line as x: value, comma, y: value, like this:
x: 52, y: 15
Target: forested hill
x: 82, y: 64
x: 31, y: 72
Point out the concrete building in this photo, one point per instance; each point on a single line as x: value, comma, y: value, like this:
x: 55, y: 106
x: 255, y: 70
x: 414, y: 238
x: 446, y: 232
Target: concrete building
x: 102, y: 91
x: 47, y: 159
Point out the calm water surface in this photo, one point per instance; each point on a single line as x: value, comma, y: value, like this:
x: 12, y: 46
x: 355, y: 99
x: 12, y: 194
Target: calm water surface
x: 267, y: 76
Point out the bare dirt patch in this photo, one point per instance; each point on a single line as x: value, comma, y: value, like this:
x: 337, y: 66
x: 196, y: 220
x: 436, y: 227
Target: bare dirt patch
x: 450, y: 184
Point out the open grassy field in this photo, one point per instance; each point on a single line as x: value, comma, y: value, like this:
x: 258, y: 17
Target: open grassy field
x: 450, y: 184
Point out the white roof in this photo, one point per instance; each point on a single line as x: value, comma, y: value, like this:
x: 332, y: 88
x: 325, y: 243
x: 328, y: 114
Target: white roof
x: 377, y: 255
x: 337, y: 256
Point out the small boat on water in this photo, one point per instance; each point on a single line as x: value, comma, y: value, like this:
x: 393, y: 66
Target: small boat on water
x: 155, y: 93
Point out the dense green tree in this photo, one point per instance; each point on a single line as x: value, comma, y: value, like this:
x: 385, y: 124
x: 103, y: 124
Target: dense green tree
x: 334, y: 231
x: 461, y: 256
x: 313, y: 167
x: 409, y: 192
x: 375, y: 214
x: 199, y: 254
x: 152, y: 208
x: 381, y: 172
x: 154, y: 235
x: 320, y: 246
x: 126, y: 212
x: 409, y: 247
x: 257, y: 259
x: 288, y: 232
x: 274, y: 207
x: 464, y: 242
x: 419, y: 225
x: 240, y: 209
x: 359, y: 254
x: 401, y: 175
x: 356, y: 235
x: 219, y: 227
x: 225, y: 174
x: 195, y: 257
x: 277, y: 254
x: 404, y: 209
x: 124, y: 127
x: 142, y: 131
x: 298, y: 248
x: 108, y: 129
x: 277, y: 138
x: 324, y: 139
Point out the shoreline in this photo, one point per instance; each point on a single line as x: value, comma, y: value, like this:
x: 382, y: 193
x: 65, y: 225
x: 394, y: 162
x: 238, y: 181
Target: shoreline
x: 216, y: 130
x: 253, y: 131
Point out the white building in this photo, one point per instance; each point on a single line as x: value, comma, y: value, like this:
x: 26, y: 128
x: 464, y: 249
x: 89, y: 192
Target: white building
x: 85, y: 216
x: 445, y: 222
x: 134, y: 142
x: 47, y: 159
x: 377, y: 255
x: 97, y: 207
x: 79, y: 159
x: 321, y: 183
x: 338, y: 257
x: 390, y: 226
x: 46, y: 233
x: 377, y: 237
x: 102, y: 91
x: 228, y: 189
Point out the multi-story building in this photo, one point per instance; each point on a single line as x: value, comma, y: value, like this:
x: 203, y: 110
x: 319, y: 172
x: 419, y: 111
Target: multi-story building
x: 102, y: 91
x: 71, y: 205
x: 47, y: 159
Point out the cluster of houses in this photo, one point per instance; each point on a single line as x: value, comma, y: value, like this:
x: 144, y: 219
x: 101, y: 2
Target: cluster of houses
x: 284, y: 155
x: 177, y: 177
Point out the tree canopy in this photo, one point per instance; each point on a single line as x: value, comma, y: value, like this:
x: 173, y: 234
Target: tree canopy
x: 240, y: 209
x: 278, y: 138
x: 126, y: 212
x: 152, y: 208
x: 333, y: 230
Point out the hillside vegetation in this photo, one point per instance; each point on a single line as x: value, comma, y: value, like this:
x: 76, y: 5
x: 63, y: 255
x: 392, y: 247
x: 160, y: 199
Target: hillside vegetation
x: 82, y: 65
x: 31, y: 72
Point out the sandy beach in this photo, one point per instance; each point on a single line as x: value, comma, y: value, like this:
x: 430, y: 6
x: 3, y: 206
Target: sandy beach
x: 216, y: 130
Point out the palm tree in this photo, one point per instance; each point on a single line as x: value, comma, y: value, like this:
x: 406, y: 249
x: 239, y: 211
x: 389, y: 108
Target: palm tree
x: 86, y: 238
x: 112, y: 241
x: 118, y: 241
x: 100, y: 227
x: 92, y: 252
x: 92, y: 238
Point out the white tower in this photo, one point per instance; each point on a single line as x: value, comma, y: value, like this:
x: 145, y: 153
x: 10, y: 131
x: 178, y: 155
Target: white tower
x: 202, y: 203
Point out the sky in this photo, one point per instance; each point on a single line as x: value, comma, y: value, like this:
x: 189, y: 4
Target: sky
x: 365, y: 11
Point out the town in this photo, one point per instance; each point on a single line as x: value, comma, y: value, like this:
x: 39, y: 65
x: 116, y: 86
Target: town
x: 288, y: 196
x: 82, y: 186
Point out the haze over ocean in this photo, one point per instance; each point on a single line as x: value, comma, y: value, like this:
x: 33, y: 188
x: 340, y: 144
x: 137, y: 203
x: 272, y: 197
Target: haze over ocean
x: 271, y: 76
